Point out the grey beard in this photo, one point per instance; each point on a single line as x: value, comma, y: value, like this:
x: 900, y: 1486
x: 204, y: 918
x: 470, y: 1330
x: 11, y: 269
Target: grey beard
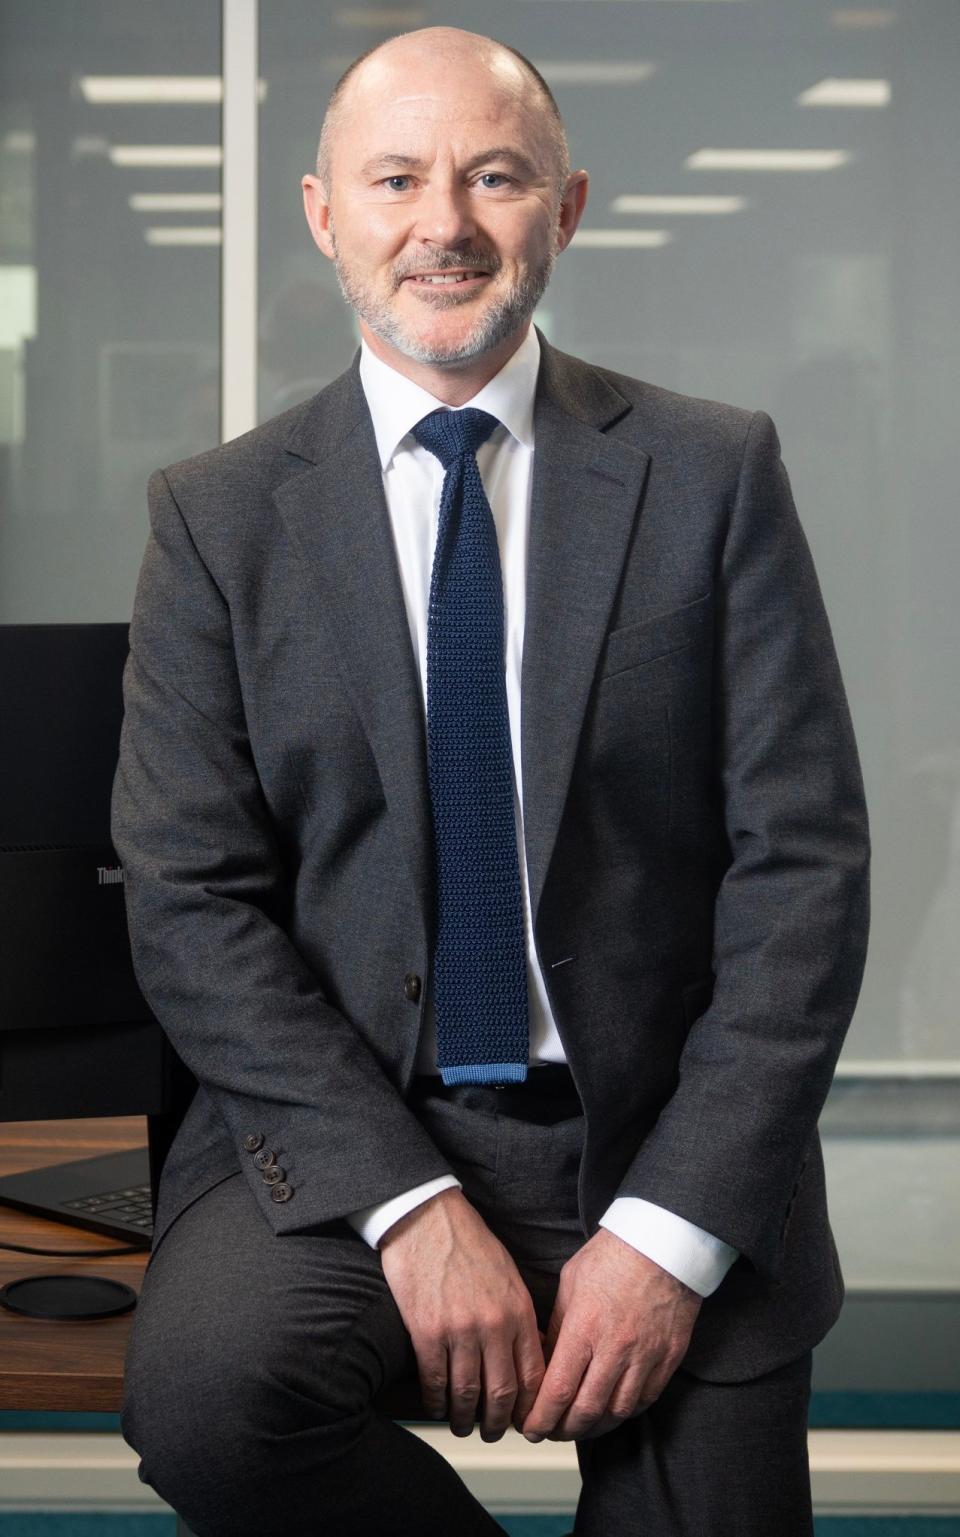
x: 499, y: 321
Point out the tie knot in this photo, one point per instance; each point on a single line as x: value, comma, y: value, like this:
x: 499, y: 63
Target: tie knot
x: 449, y: 434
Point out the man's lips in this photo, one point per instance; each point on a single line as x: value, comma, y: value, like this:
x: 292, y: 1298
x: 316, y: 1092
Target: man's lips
x: 467, y: 277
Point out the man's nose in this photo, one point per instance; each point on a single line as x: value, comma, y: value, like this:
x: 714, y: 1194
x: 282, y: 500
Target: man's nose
x: 444, y: 216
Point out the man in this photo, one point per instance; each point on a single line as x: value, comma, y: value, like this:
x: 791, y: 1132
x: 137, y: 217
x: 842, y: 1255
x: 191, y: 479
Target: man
x: 496, y: 859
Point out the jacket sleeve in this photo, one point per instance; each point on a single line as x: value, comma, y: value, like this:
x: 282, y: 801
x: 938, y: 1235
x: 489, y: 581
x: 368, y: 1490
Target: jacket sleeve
x: 792, y: 911
x: 202, y: 878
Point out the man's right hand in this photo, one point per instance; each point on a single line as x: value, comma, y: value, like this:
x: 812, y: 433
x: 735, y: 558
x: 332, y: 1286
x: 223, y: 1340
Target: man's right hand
x: 469, y: 1315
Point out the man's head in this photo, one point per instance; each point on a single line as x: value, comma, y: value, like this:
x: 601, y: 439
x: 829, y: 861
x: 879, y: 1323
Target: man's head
x: 443, y: 156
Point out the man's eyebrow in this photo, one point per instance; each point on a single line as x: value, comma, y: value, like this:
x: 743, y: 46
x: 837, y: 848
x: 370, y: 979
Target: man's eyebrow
x: 514, y: 157
x: 501, y: 152
x: 381, y: 162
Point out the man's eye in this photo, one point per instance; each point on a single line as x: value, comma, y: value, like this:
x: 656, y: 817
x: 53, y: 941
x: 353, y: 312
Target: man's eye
x: 493, y: 176
x: 390, y: 183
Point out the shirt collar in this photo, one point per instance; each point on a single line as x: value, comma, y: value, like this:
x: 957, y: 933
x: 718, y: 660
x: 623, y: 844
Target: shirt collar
x: 397, y: 404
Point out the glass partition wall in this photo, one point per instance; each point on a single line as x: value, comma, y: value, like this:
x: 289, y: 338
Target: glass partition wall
x: 772, y: 221
x: 109, y: 286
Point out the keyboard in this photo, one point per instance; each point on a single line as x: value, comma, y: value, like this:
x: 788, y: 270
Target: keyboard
x: 133, y: 1205
x: 107, y: 1194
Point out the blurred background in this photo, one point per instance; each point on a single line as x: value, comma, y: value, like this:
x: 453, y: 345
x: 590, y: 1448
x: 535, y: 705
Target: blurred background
x: 773, y: 221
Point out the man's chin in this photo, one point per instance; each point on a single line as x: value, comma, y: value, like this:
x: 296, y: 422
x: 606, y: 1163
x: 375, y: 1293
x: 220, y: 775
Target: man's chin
x: 445, y: 354
x: 440, y: 348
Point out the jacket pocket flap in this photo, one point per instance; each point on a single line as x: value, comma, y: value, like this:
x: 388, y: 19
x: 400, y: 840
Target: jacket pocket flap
x: 644, y: 641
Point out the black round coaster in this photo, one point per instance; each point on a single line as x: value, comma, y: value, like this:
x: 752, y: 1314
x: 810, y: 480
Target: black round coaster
x: 68, y: 1296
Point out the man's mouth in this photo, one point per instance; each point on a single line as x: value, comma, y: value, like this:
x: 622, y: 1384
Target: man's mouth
x: 446, y: 279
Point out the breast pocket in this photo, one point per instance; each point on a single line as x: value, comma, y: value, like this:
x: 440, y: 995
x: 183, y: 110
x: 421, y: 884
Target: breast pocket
x: 647, y: 640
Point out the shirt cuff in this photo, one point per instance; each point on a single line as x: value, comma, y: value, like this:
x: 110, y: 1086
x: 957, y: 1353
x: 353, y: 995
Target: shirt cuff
x: 372, y: 1221
x: 687, y: 1252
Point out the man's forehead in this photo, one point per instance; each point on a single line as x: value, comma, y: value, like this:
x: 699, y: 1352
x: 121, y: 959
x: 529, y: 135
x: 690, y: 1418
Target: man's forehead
x: 437, y: 72
x: 417, y: 121
x: 440, y: 92
x: 437, y: 103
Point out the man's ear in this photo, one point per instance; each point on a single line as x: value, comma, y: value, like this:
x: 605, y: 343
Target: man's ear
x: 317, y: 210
x: 571, y: 208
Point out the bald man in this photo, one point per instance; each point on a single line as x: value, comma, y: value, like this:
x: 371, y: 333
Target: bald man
x: 496, y: 861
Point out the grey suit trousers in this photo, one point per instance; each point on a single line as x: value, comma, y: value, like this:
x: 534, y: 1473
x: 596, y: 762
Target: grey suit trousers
x: 253, y: 1362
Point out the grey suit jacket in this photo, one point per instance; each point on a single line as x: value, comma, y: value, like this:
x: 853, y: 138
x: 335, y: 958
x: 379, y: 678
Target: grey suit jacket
x: 696, y: 831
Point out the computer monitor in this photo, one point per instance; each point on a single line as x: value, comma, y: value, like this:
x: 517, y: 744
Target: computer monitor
x: 77, y: 1038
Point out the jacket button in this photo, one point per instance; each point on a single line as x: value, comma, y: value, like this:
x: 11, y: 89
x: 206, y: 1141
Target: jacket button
x: 265, y: 1158
x: 272, y: 1176
x: 253, y: 1140
x: 281, y: 1192
x: 412, y: 986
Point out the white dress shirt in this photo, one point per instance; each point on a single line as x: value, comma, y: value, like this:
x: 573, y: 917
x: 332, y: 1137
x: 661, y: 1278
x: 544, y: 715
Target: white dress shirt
x: 413, y: 479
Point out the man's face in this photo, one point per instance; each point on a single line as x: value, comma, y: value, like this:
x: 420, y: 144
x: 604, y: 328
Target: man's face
x: 444, y: 219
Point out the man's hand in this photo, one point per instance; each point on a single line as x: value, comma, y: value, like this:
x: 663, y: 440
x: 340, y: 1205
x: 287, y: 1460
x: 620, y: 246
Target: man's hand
x: 469, y: 1315
x: 620, y: 1327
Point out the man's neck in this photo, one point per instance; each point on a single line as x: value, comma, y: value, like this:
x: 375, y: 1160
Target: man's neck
x: 453, y: 383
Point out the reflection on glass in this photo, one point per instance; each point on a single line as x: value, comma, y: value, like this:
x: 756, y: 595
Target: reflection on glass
x: 109, y: 336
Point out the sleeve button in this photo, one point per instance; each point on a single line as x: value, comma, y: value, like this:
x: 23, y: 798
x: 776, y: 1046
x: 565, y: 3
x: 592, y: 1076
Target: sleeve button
x: 265, y: 1158
x: 253, y: 1140
x: 281, y: 1192
x: 273, y: 1175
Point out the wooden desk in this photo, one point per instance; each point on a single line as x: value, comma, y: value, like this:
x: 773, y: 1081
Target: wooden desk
x: 50, y: 1363
x: 54, y: 1363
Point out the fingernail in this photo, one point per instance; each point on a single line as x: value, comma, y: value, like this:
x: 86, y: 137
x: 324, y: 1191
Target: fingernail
x: 531, y: 1436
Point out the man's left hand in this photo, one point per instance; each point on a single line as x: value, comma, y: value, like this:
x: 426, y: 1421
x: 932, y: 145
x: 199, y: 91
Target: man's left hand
x: 620, y: 1327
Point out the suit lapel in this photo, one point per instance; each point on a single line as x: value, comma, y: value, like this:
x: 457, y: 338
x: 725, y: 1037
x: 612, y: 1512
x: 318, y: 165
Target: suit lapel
x: 336, y: 512
x: 586, y: 493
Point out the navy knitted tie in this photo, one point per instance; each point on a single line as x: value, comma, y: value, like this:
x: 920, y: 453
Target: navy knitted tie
x: 480, y: 977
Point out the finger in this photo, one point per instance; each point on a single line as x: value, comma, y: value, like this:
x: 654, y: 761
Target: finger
x: 499, y: 1388
x: 604, y: 1425
x: 628, y: 1397
x: 464, y: 1385
x: 432, y: 1371
x: 530, y: 1367
x: 559, y: 1387
x: 626, y: 1401
x: 657, y: 1380
x: 591, y: 1401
